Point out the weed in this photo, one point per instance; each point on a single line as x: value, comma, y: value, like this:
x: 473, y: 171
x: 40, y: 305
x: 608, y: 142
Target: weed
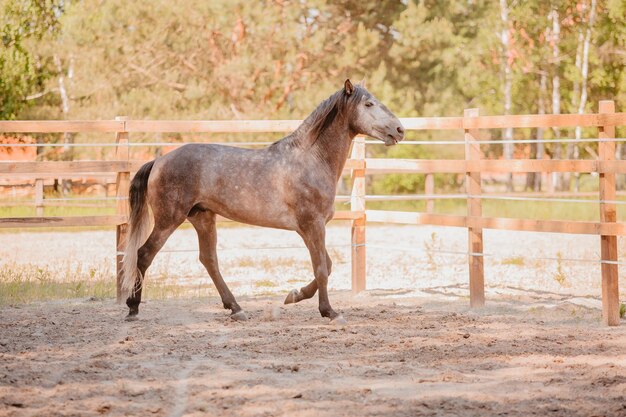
x: 29, y: 283
x: 430, y: 247
x: 622, y: 311
x: 560, y: 276
x: 515, y: 260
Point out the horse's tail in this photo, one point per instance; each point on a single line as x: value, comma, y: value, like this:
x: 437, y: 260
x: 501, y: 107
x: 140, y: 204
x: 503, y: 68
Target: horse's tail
x: 139, y: 228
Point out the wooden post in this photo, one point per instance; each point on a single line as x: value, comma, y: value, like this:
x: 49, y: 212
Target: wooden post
x: 608, y: 244
x: 474, y: 209
x: 429, y: 189
x: 357, y: 203
x: 39, y: 197
x: 122, y: 187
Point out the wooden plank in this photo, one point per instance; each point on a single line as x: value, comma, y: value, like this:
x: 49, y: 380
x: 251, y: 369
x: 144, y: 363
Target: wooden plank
x: 547, y: 120
x: 252, y: 126
x: 122, y: 182
x: 428, y: 166
x: 379, y: 216
x: 357, y: 205
x: 39, y: 204
x: 546, y: 165
x: 57, y: 126
x: 533, y: 165
x: 414, y: 166
x: 474, y: 209
x: 373, y: 166
x: 348, y: 215
x: 608, y: 214
x: 429, y: 189
x: 432, y: 123
x: 67, y: 221
x: 68, y: 167
x: 410, y: 217
x: 544, y: 226
x: 354, y: 164
x: 498, y: 223
x: 212, y: 126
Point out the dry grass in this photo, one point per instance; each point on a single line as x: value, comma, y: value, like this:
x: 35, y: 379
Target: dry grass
x: 26, y: 283
x: 559, y: 275
x: 267, y: 264
x: 515, y: 260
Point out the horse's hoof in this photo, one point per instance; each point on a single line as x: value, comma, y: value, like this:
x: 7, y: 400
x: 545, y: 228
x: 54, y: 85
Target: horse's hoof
x: 339, y: 321
x: 239, y: 316
x: 292, y: 297
x: 132, y: 317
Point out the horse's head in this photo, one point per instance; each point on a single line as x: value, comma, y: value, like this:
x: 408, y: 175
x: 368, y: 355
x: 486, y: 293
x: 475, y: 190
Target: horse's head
x: 371, y: 117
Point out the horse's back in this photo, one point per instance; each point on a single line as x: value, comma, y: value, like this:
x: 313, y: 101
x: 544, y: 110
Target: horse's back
x: 243, y: 184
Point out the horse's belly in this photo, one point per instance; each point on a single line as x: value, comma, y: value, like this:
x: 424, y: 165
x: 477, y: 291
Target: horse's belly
x: 253, y: 207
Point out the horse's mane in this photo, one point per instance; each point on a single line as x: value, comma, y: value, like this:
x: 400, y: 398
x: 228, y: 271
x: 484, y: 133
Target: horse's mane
x: 324, y: 115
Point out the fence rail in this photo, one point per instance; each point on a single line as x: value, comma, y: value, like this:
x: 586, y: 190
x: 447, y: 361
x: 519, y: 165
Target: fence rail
x: 608, y: 228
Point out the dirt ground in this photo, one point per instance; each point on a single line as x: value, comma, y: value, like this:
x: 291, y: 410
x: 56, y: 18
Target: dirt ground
x: 398, y: 356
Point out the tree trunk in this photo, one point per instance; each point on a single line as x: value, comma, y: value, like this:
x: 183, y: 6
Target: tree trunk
x: 508, y: 83
x: 541, y: 109
x: 557, y: 179
x: 68, y: 138
x: 584, y: 72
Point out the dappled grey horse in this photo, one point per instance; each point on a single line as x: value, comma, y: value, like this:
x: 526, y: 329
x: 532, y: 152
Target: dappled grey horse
x: 289, y: 185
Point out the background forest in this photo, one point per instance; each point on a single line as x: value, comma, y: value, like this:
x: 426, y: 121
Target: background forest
x: 235, y: 59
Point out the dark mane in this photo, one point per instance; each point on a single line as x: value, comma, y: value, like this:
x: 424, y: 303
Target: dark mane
x: 324, y: 115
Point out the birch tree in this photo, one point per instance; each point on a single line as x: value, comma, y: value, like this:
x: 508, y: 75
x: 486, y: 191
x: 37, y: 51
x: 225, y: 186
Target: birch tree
x: 584, y: 74
x: 555, y: 37
x: 507, y: 74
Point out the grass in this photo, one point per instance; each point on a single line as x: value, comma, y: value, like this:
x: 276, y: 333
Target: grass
x: 29, y: 283
x: 21, y: 284
x: 265, y: 263
x: 30, y: 211
x: 430, y: 246
x: 622, y: 311
x: 515, y: 260
x: 560, y: 276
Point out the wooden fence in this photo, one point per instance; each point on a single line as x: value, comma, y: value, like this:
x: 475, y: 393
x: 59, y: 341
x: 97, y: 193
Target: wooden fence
x: 608, y: 228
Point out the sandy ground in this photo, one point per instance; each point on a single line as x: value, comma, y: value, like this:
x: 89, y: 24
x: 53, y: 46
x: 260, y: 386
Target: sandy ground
x: 400, y: 356
x: 412, y: 347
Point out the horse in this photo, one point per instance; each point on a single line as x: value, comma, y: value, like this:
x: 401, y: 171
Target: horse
x: 288, y: 185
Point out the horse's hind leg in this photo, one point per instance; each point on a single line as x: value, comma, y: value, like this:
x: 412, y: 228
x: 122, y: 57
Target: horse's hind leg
x: 145, y: 256
x: 204, y: 223
x: 309, y: 290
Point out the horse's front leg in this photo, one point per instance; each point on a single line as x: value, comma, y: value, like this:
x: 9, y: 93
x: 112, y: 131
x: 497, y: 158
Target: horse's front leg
x: 314, y: 234
x: 309, y: 290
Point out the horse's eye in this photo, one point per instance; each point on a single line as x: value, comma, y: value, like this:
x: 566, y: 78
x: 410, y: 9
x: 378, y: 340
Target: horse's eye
x: 369, y: 104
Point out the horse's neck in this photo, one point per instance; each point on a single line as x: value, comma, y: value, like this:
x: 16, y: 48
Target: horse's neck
x: 333, y: 146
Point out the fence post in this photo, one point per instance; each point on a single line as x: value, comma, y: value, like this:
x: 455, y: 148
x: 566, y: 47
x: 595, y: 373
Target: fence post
x: 122, y: 186
x: 474, y: 210
x: 357, y: 204
x: 39, y: 197
x: 608, y: 244
x: 429, y: 189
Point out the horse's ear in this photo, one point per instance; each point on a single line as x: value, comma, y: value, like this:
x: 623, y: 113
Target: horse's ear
x: 362, y: 83
x: 348, y: 87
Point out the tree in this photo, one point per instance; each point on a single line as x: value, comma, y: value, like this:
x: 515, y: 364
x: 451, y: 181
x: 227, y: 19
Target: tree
x: 23, y: 72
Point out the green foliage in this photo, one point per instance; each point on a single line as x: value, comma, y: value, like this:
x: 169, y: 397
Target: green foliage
x: 22, y: 69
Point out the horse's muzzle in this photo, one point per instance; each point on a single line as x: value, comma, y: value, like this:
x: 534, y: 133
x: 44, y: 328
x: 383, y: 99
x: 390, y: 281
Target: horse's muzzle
x: 394, y: 134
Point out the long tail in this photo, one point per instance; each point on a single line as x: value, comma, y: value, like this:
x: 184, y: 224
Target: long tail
x: 139, y: 226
